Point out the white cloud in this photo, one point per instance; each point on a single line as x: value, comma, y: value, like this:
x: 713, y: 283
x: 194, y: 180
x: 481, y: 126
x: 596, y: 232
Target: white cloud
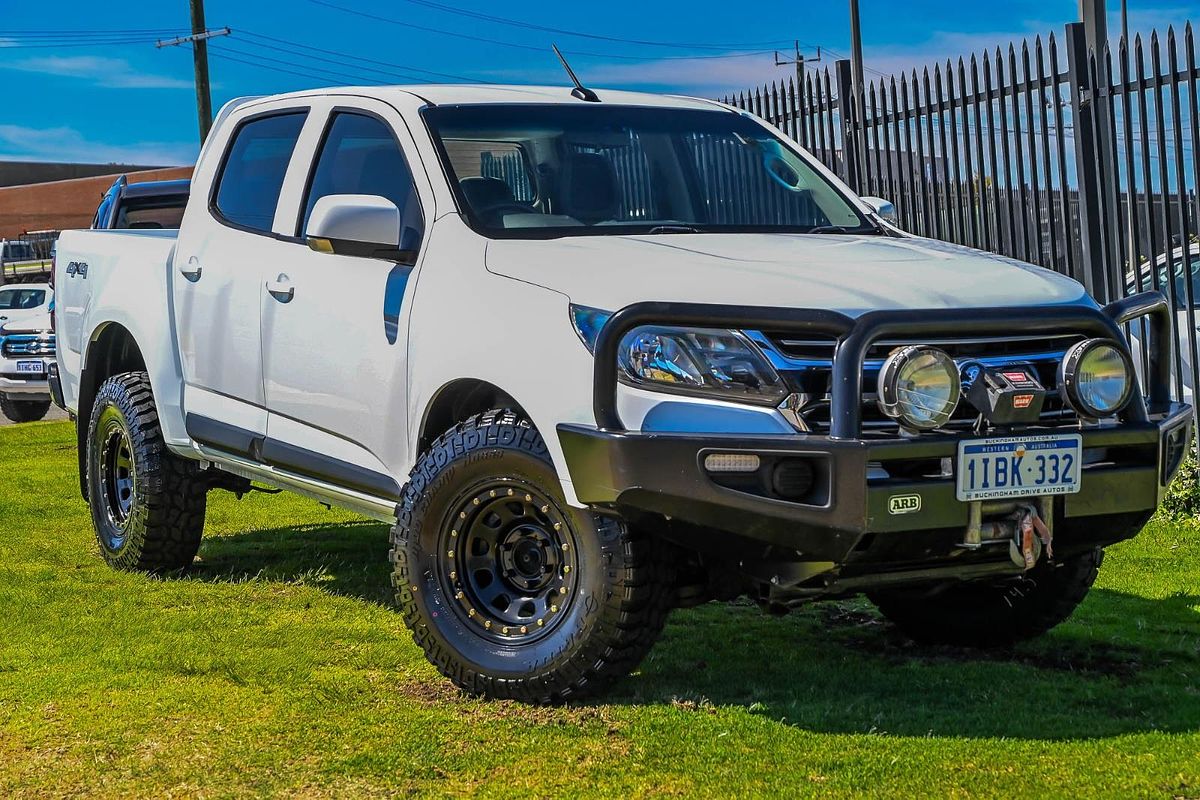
x: 23, y: 143
x: 110, y: 73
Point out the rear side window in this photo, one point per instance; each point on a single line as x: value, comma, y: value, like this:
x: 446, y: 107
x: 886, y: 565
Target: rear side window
x: 360, y: 156
x: 255, y: 165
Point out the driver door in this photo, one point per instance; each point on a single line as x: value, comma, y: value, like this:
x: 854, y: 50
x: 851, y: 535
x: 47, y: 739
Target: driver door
x: 333, y: 332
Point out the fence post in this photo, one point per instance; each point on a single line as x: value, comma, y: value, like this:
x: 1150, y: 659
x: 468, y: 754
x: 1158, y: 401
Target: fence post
x: 847, y: 107
x: 1090, y: 158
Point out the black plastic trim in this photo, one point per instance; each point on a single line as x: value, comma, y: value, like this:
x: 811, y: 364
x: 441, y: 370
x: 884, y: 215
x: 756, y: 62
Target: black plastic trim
x: 335, y: 471
x: 219, y: 434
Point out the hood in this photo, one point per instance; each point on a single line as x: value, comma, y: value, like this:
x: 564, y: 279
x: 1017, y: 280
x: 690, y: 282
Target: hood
x: 851, y: 274
x: 33, y: 322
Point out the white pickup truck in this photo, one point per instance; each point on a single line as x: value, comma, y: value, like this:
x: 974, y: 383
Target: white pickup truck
x: 596, y: 357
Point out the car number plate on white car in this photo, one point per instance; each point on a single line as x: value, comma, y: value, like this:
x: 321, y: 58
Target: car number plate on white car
x: 1019, y: 466
x: 31, y: 367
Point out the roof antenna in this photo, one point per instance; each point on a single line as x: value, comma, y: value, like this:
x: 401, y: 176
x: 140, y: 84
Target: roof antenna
x: 582, y: 92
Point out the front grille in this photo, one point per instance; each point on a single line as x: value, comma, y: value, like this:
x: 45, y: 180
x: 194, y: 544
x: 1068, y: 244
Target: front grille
x: 807, y: 365
x: 21, y: 345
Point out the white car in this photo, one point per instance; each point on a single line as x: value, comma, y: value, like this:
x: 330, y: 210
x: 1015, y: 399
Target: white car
x: 596, y: 356
x: 21, y: 300
x: 26, y: 358
x: 1181, y: 284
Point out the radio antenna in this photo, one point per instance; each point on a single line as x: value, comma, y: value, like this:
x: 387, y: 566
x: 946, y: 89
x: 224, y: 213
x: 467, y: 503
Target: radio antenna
x: 580, y: 91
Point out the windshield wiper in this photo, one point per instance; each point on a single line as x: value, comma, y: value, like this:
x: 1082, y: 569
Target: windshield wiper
x: 657, y: 229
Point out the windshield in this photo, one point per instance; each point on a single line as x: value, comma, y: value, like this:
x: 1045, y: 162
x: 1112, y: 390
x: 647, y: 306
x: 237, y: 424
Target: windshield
x: 528, y: 171
x: 21, y: 299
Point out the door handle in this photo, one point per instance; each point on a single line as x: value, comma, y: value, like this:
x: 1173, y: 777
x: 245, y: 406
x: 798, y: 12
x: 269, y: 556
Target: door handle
x: 193, y: 270
x: 281, y: 289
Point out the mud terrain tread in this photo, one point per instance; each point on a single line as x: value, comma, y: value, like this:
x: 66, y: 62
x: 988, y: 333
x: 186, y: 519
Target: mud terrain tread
x: 23, y: 410
x: 168, y: 518
x: 640, y: 578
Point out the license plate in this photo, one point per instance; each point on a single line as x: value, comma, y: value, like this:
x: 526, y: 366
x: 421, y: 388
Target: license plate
x: 31, y: 367
x: 1019, y: 466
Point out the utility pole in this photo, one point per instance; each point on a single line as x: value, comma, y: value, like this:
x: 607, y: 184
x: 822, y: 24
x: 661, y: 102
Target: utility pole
x: 799, y: 60
x: 856, y: 50
x: 200, y: 33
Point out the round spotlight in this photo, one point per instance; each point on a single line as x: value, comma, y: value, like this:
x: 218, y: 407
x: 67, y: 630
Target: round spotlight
x: 1096, y: 378
x: 919, y: 386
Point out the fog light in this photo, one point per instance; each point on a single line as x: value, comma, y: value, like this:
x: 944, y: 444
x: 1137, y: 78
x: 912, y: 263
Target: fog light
x: 732, y: 462
x: 1096, y: 378
x: 919, y: 387
x: 792, y: 478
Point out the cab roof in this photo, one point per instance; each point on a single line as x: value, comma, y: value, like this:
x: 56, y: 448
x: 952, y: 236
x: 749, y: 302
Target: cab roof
x: 473, y: 94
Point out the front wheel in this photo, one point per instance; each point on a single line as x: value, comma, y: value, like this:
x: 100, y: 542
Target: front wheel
x: 147, y: 503
x: 19, y: 410
x: 510, y: 592
x: 994, y: 614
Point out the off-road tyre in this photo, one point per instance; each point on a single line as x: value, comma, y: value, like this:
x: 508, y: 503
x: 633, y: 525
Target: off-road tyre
x: 147, y: 503
x: 991, y: 615
x: 613, y: 603
x: 23, y: 410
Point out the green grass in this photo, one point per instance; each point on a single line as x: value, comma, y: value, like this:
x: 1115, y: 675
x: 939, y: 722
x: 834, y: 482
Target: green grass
x: 276, y: 666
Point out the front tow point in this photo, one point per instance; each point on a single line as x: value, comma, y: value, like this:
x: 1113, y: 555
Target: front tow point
x: 1027, y: 528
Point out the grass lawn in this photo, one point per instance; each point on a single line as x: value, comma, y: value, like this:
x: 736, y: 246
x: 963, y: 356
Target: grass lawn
x: 276, y: 666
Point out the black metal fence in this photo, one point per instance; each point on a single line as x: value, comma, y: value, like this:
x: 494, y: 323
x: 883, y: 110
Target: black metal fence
x: 1081, y: 159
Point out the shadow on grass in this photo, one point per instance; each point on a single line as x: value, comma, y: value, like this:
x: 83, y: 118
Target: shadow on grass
x: 1124, y: 664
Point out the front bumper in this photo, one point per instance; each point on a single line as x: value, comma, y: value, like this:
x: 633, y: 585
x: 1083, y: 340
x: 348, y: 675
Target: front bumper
x: 854, y: 483
x: 860, y: 506
x: 13, y: 382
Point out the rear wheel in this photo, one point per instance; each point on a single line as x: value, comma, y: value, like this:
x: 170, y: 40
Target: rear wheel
x: 147, y: 503
x: 19, y: 410
x: 511, y: 592
x: 994, y: 614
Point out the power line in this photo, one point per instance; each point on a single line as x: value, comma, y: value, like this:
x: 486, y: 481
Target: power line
x: 355, y: 68
x: 409, y: 67
x: 305, y: 70
x: 584, y: 35
x: 505, y: 43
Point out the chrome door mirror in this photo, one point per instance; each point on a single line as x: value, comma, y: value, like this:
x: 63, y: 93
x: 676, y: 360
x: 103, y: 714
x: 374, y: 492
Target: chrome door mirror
x: 364, y: 225
x: 884, y: 209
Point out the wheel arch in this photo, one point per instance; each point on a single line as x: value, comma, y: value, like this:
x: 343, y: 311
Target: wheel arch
x: 458, y: 400
x: 112, y: 349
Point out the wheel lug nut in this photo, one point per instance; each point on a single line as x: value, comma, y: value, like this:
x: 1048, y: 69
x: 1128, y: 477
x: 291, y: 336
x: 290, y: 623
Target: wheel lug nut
x: 414, y: 587
x: 566, y: 569
x: 565, y: 545
x: 504, y: 630
x: 462, y: 515
x: 487, y: 623
x: 449, y: 554
x: 454, y: 533
x: 475, y: 501
x: 553, y: 609
x: 528, y: 498
x: 510, y: 492
x: 562, y: 590
x: 470, y: 612
x: 558, y: 526
x: 524, y: 629
x: 545, y: 509
x: 453, y: 577
x: 458, y: 595
x: 541, y: 623
x: 492, y: 493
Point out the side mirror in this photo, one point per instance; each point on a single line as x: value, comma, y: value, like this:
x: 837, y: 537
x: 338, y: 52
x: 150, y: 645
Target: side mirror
x: 363, y: 225
x: 884, y: 209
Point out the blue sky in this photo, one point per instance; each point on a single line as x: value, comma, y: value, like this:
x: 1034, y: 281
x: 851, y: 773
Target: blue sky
x: 68, y: 98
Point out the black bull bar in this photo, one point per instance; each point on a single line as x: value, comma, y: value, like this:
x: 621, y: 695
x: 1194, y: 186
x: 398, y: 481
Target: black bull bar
x: 855, y: 336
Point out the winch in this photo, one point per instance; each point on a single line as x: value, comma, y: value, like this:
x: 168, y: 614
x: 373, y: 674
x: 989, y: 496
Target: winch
x: 1005, y: 395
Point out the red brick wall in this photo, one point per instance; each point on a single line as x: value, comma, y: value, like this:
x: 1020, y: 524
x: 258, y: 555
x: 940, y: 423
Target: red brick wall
x: 62, y: 205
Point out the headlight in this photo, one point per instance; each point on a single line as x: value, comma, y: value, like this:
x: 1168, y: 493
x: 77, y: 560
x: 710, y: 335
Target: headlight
x: 717, y: 363
x: 1096, y: 378
x: 919, y: 386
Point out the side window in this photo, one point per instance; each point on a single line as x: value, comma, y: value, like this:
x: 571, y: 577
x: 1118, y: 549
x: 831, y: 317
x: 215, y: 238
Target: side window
x: 360, y: 156
x: 255, y: 165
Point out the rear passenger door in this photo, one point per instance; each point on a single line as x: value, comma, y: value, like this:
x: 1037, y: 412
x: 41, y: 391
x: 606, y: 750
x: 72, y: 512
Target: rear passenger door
x: 335, y: 343
x: 226, y: 247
